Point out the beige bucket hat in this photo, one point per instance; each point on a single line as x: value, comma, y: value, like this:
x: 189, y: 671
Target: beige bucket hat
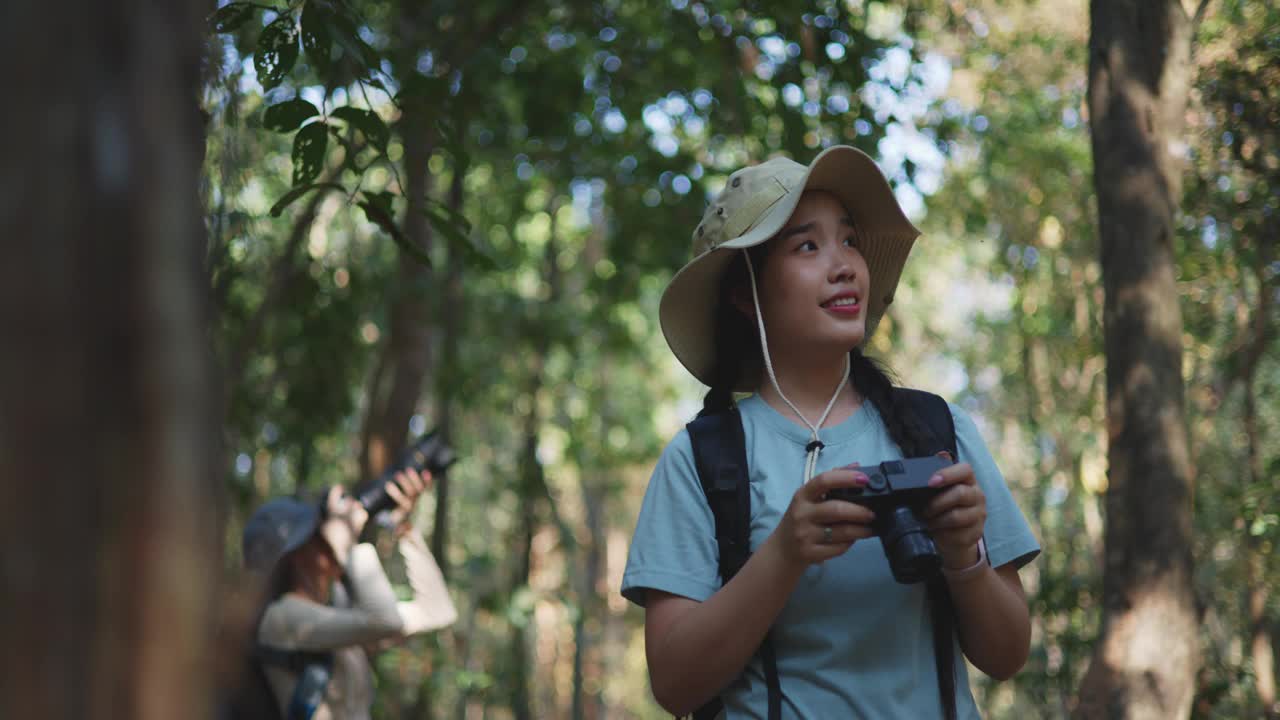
x: 753, y: 207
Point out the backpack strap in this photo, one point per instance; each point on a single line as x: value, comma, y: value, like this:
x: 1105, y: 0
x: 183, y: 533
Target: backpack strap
x: 313, y: 670
x: 932, y: 415
x: 720, y: 455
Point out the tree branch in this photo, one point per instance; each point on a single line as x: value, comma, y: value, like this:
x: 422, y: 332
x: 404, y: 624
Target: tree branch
x: 281, y: 278
x: 1199, y: 16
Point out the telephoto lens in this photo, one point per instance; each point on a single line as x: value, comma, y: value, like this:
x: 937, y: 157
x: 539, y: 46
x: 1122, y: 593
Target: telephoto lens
x: 429, y: 453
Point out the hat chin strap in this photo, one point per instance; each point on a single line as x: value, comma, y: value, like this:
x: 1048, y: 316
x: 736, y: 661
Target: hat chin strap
x: 814, y: 448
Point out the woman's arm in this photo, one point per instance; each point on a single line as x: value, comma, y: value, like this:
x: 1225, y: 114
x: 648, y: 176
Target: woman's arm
x: 994, y: 623
x: 695, y: 649
x: 431, y: 607
x: 296, y: 623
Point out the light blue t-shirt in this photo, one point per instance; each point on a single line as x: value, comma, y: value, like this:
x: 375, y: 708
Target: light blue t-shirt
x: 851, y: 642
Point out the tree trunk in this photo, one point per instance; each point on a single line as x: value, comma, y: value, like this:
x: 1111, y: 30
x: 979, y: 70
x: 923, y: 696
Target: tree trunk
x: 533, y: 481
x: 1257, y: 638
x: 1139, y: 70
x: 109, y: 545
x: 408, y: 352
x: 448, y: 371
x: 587, y: 677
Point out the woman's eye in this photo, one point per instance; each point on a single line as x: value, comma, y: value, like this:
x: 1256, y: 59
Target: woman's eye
x: 851, y: 241
x: 807, y: 245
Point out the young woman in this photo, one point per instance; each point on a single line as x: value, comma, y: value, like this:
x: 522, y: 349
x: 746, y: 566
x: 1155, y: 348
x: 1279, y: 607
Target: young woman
x: 794, y: 266
x: 305, y: 556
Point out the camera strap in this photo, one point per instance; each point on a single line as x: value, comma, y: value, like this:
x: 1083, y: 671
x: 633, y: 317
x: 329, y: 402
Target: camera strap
x: 720, y: 456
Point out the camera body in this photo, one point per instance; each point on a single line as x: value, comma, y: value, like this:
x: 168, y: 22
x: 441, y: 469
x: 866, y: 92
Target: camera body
x: 897, y: 492
x: 429, y: 452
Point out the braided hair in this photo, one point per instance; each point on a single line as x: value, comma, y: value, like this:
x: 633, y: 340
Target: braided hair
x: 738, y: 356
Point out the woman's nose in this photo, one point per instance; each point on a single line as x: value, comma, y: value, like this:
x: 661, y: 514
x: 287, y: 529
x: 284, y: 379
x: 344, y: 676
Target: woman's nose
x: 842, y: 271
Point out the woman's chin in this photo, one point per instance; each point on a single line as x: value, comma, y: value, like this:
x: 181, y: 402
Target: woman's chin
x: 851, y: 338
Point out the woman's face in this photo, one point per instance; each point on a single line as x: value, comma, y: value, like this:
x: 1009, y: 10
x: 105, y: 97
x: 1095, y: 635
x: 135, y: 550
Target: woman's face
x: 814, y: 285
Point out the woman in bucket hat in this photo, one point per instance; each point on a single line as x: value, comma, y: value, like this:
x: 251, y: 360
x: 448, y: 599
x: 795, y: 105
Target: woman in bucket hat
x: 793, y: 268
x: 300, y: 554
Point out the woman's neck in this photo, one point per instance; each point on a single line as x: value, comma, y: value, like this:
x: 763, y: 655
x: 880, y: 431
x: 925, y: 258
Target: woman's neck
x: 809, y: 385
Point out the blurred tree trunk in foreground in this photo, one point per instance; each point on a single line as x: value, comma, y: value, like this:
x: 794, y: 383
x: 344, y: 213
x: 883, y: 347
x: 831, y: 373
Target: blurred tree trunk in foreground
x: 1139, y: 75
x: 108, y: 418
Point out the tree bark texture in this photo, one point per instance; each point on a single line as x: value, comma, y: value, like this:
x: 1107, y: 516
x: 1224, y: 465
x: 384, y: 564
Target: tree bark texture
x: 1139, y: 73
x: 109, y: 549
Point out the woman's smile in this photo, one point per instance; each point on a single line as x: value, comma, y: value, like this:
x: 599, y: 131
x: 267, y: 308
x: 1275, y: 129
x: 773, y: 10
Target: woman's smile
x: 845, y: 304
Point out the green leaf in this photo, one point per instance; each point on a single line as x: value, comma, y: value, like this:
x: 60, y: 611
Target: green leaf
x: 456, y: 229
x: 317, y: 40
x: 421, y: 88
x: 453, y: 140
x: 309, y: 147
x: 348, y: 38
x: 377, y: 207
x: 287, y: 199
x: 230, y: 16
x: 367, y: 122
x: 277, y: 51
x: 288, y: 115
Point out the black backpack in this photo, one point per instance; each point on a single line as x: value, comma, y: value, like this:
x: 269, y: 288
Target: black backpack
x: 251, y: 696
x: 720, y: 455
x: 254, y: 698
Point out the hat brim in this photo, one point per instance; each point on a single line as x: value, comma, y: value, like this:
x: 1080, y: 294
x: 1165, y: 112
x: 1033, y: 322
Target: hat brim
x: 276, y: 529
x: 688, y: 306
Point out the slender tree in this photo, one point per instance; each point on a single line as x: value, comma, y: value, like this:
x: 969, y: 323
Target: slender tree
x: 1139, y: 76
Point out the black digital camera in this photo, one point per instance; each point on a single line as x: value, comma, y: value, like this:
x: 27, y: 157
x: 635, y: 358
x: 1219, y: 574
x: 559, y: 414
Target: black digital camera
x: 429, y: 452
x: 897, y: 492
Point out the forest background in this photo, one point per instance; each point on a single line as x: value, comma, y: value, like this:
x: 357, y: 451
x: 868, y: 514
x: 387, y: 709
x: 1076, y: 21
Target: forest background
x: 358, y: 220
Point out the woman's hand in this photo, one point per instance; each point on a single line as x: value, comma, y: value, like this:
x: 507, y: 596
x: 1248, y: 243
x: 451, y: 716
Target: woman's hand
x: 815, y: 529
x: 957, y: 515
x: 407, y: 487
x: 344, y: 520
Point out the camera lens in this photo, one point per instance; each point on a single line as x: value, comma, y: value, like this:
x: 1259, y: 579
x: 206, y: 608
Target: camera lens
x: 876, y: 482
x: 910, y: 551
x: 428, y: 453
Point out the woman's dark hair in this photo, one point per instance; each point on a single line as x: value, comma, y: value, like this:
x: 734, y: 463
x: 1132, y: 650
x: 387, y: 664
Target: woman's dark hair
x: 738, y: 356
x: 281, y: 581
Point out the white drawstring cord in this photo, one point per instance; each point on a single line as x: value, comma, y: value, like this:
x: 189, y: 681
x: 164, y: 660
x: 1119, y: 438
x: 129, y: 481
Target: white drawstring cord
x: 815, y: 445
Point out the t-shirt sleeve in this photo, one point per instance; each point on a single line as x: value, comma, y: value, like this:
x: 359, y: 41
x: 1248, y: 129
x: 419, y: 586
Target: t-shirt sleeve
x: 1008, y: 537
x: 674, y: 546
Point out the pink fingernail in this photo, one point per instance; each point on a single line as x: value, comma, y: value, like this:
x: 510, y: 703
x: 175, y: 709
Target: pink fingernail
x: 935, y: 481
x: 861, y: 479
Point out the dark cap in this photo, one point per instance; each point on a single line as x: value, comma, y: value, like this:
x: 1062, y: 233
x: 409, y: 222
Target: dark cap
x: 276, y: 529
